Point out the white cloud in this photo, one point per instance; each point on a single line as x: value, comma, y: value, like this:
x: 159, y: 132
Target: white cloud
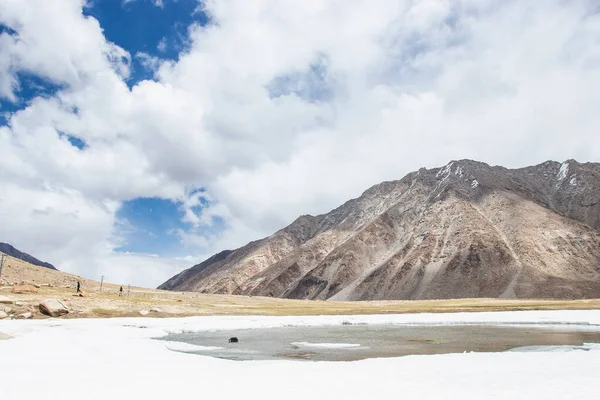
x: 157, y: 3
x: 409, y: 84
x: 162, y: 45
x: 55, y: 42
x: 149, y: 62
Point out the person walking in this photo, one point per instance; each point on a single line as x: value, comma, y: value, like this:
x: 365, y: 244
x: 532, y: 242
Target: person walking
x: 78, y: 287
x: 121, y: 291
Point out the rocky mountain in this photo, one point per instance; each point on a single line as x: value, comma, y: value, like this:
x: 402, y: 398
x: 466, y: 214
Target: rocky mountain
x: 463, y: 230
x: 11, y: 251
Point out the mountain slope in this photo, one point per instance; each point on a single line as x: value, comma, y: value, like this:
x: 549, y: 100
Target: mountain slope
x: 11, y: 251
x: 463, y: 230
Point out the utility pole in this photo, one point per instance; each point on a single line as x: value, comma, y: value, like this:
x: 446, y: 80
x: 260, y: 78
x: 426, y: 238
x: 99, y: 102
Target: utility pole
x: 2, y: 260
x: 101, y: 282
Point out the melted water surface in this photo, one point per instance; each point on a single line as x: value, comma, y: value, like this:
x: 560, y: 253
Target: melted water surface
x: 357, y: 342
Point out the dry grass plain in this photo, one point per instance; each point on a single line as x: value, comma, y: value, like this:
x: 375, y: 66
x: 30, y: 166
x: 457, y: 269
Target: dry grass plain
x: 107, y: 303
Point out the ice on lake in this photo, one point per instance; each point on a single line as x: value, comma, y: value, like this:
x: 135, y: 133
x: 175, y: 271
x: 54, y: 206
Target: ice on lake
x: 357, y: 342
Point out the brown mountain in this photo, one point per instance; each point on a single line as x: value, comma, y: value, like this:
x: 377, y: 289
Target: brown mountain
x: 463, y: 230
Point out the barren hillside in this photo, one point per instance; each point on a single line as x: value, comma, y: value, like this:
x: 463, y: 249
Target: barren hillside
x: 140, y: 302
x: 11, y: 251
x: 461, y: 231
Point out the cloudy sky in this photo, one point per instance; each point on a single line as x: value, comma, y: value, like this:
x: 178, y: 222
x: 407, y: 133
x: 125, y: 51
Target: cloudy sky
x: 139, y: 136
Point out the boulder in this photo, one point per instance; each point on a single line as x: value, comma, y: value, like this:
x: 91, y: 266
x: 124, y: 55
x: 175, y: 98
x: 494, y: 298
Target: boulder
x: 3, y: 315
x: 30, y: 284
x: 53, y: 308
x: 8, y: 310
x: 26, y: 315
x: 22, y: 289
x: 144, y: 312
x: 155, y: 309
x: 6, y: 300
x: 80, y: 294
x: 19, y: 303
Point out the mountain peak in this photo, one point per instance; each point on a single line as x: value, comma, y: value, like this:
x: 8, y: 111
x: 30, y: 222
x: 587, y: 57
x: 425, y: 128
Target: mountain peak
x: 465, y: 229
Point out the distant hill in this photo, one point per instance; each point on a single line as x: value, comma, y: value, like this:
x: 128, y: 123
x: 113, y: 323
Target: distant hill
x: 464, y: 230
x: 11, y: 251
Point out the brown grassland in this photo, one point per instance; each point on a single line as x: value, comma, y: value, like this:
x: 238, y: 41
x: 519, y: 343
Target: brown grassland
x: 108, y: 304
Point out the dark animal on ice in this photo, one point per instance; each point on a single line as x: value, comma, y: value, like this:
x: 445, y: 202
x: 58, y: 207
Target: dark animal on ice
x: 233, y: 340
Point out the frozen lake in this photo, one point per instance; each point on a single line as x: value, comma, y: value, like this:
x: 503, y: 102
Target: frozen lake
x: 357, y: 342
x: 123, y: 356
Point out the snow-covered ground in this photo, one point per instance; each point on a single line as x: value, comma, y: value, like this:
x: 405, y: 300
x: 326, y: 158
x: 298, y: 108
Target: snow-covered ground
x: 116, y: 359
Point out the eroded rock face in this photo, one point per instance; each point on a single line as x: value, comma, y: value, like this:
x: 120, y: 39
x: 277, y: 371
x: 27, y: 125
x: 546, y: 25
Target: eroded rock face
x: 463, y: 230
x: 53, y: 308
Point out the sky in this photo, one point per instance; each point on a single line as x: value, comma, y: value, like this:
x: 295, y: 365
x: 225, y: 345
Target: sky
x: 139, y: 137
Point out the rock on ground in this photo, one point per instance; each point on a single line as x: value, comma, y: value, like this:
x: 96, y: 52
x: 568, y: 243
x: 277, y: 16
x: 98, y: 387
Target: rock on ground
x: 144, y: 312
x: 6, y: 300
x: 3, y: 315
x: 53, y: 308
x: 22, y: 289
x: 36, y: 285
x: 26, y: 315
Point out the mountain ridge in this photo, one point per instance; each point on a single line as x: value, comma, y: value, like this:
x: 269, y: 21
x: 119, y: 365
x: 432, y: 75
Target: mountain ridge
x: 403, y: 239
x: 13, y: 252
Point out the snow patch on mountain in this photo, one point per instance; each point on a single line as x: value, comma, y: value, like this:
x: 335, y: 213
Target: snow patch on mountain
x: 444, y: 172
x: 563, y: 172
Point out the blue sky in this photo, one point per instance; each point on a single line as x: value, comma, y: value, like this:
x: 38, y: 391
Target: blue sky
x: 274, y: 111
x: 151, y: 225
x: 141, y: 26
x: 138, y: 26
x: 146, y: 225
x: 31, y: 86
